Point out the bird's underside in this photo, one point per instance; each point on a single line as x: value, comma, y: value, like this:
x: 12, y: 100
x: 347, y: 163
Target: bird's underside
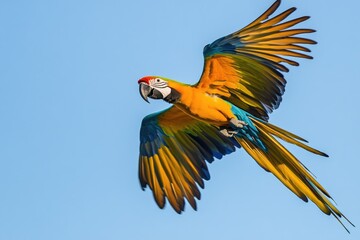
x: 241, y: 84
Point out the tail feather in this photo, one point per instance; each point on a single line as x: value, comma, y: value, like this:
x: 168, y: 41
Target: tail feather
x: 286, y: 167
x: 262, y: 160
x: 287, y: 136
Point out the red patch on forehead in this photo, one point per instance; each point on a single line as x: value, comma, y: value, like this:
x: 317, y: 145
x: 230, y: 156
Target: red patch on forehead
x: 145, y: 80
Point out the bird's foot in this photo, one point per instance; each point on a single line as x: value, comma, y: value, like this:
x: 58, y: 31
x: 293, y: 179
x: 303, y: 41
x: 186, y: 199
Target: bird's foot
x: 228, y: 132
x: 236, y: 123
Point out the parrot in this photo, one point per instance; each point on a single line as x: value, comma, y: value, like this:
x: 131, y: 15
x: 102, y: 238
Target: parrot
x: 242, y: 82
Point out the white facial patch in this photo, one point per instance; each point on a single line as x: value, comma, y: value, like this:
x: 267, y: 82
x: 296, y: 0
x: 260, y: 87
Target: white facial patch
x: 164, y: 91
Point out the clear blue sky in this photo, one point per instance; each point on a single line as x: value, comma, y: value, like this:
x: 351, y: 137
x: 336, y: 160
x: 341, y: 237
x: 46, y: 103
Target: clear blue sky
x: 70, y: 117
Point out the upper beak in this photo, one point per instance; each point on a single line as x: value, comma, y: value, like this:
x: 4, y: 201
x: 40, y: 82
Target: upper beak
x: 144, y: 90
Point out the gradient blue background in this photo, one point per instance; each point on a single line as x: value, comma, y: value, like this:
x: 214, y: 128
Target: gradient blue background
x: 70, y: 116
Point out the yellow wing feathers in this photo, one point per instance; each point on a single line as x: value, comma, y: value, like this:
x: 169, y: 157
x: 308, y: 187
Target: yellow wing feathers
x: 174, y: 148
x: 244, y: 67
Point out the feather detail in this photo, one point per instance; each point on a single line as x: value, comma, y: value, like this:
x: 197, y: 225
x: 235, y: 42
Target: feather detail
x: 252, y: 58
x: 174, y: 148
x: 286, y: 167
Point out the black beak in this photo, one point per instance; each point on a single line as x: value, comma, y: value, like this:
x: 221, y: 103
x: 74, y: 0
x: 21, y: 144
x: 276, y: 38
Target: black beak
x: 147, y: 91
x: 144, y: 90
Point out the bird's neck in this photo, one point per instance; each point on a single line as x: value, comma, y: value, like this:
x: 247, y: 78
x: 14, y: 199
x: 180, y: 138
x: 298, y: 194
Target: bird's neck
x: 179, y: 93
x: 173, y: 97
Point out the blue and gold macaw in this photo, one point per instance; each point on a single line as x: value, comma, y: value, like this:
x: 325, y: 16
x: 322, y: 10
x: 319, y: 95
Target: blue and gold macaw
x: 227, y: 109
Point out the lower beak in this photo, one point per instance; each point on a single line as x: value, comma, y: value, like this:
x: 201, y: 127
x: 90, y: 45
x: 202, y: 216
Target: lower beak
x: 144, y: 90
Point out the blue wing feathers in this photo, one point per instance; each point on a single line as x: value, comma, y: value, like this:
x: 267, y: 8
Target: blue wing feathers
x: 249, y: 131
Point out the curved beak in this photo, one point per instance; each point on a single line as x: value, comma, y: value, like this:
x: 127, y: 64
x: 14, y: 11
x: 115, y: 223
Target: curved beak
x: 144, y: 90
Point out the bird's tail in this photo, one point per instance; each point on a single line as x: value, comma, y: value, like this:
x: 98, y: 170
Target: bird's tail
x: 275, y: 158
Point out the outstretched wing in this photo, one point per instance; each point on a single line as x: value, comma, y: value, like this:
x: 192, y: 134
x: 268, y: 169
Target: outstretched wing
x: 245, y: 67
x: 174, y: 148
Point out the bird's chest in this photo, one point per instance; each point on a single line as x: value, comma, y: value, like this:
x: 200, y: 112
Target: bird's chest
x: 205, y: 107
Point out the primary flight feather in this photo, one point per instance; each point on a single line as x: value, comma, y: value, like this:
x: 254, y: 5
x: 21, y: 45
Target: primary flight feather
x: 241, y: 83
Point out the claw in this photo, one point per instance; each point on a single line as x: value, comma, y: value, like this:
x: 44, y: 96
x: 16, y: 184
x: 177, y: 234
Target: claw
x: 236, y: 123
x: 228, y: 133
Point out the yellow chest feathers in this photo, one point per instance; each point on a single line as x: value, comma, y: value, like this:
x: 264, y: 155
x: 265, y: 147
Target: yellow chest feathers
x: 205, y: 107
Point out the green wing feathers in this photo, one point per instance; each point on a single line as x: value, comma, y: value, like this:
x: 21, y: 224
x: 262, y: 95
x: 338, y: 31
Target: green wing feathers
x: 245, y: 67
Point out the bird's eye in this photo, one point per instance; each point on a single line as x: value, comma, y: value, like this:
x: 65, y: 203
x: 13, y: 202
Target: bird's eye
x: 157, y: 80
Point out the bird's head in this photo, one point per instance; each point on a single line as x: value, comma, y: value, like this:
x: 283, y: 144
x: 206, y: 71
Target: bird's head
x: 157, y: 88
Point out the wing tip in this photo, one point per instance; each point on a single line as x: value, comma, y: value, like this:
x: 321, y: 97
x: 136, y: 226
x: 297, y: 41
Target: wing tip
x: 276, y: 3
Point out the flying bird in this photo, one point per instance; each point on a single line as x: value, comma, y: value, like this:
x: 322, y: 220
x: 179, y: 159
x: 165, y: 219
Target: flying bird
x: 228, y: 108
